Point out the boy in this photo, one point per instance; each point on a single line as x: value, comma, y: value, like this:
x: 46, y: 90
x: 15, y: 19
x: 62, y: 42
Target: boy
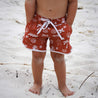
x: 49, y: 19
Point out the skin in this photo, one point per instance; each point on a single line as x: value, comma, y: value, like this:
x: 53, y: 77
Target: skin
x: 52, y: 9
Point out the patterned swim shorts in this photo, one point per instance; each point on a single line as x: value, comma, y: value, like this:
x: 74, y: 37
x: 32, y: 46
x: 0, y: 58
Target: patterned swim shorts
x: 40, y: 29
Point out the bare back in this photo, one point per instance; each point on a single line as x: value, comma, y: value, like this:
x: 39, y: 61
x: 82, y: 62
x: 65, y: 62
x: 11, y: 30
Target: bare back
x: 52, y: 8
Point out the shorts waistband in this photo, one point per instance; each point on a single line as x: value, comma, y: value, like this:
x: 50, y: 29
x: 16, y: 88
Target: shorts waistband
x: 55, y: 19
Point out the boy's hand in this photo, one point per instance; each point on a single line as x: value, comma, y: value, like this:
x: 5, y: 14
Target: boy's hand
x: 72, y: 8
x: 69, y: 24
x: 28, y: 21
x: 29, y: 9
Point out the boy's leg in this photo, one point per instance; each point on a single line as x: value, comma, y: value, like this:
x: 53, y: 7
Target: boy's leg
x: 60, y: 69
x: 37, y: 69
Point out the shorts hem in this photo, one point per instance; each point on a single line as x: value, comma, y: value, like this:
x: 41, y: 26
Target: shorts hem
x: 60, y: 52
x: 34, y: 49
x: 38, y: 50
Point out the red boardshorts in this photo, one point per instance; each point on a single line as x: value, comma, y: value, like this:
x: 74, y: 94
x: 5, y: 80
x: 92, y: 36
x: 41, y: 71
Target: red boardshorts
x: 40, y: 29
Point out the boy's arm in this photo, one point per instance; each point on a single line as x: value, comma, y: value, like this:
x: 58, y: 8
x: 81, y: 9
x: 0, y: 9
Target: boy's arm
x: 29, y: 9
x: 72, y: 8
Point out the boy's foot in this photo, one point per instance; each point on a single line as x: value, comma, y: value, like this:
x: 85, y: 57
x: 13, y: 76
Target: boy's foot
x: 66, y: 92
x: 35, y: 89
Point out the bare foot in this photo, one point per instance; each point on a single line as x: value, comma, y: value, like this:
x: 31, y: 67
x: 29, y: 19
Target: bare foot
x: 66, y: 92
x: 35, y: 89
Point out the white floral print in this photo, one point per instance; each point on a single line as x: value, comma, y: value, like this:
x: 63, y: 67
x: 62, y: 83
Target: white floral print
x: 53, y: 31
x: 33, y: 40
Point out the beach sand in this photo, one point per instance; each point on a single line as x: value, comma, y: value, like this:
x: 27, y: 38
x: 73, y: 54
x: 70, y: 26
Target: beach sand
x: 15, y: 60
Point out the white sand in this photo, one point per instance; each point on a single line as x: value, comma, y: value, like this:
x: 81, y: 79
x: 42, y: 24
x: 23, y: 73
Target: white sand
x: 80, y: 63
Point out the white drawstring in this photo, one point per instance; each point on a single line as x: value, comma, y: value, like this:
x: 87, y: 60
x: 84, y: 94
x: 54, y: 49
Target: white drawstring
x: 45, y: 25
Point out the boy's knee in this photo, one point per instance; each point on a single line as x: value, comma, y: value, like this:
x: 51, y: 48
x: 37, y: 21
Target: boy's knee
x: 38, y: 57
x: 57, y: 57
